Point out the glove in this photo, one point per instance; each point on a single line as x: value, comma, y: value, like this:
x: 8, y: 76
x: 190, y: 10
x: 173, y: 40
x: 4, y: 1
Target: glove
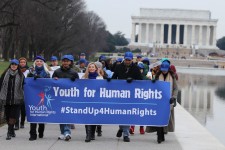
x: 108, y: 79
x: 129, y: 80
x: 36, y: 76
x: 173, y: 101
x: 153, y: 80
x: 73, y: 79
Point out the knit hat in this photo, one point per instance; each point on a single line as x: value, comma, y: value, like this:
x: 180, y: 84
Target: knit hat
x: 22, y: 58
x: 98, y: 64
x: 14, y: 61
x: 128, y: 56
x: 82, y: 60
x: 139, y: 56
x: 119, y: 60
x: 141, y: 65
x: 102, y: 58
x: 146, y: 60
x: 39, y: 57
x: 165, y: 66
x: 53, y: 58
x: 69, y: 57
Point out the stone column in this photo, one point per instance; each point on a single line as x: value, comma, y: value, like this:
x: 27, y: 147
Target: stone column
x: 200, y: 36
x: 169, y: 33
x: 154, y: 33
x: 139, y: 33
x: 207, y: 35
x: 162, y: 34
x: 193, y: 35
x: 133, y: 32
x: 185, y: 35
x: 178, y: 34
x: 147, y: 33
x: 214, y: 36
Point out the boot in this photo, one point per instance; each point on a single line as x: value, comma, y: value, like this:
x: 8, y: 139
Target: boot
x: 16, y: 125
x: 13, y: 134
x: 41, y: 128
x: 119, y: 133
x: 131, y: 130
x: 99, y: 130
x: 160, y: 135
x: 163, y: 137
x: 142, y: 131
x: 33, y: 137
x: 22, y: 125
x: 88, y: 133
x: 8, y: 137
x: 93, y: 127
x: 72, y: 126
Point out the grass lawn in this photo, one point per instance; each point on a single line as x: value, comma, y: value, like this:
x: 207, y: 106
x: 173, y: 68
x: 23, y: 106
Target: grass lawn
x: 3, y: 66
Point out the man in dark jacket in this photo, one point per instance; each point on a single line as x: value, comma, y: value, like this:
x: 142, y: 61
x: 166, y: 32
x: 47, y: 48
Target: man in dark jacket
x: 129, y: 71
x: 66, y: 71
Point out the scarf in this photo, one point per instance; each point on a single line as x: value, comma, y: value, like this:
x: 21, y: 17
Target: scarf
x: 92, y: 75
x: 40, y: 71
x: 167, y: 77
x: 18, y: 90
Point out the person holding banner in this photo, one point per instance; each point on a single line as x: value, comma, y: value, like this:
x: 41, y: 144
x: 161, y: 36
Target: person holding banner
x: 11, y: 94
x: 129, y: 71
x: 105, y: 76
x: 165, y: 74
x: 92, y: 72
x: 40, y: 70
x: 66, y: 71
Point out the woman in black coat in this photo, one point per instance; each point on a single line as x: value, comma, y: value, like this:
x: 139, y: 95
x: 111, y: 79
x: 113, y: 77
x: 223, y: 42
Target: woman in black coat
x: 11, y: 94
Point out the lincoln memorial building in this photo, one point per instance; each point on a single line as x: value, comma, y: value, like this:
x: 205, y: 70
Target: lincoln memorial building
x: 169, y: 28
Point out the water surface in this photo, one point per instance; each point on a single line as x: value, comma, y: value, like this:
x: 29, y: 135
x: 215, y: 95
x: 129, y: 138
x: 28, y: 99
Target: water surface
x: 203, y: 95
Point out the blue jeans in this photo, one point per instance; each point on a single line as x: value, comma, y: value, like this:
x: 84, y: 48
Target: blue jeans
x: 65, y: 129
x: 125, y: 130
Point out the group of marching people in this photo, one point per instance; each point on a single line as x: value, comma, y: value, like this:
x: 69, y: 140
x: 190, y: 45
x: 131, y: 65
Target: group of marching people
x: 12, y: 82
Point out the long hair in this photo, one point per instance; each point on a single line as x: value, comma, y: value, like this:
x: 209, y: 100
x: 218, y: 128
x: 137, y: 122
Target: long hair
x: 85, y: 76
x: 44, y: 65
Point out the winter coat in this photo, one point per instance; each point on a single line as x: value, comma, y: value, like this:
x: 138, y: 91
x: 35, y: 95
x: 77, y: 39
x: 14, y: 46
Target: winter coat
x: 174, y: 90
x: 65, y: 73
x: 33, y: 73
x: 123, y: 72
x: 13, y: 93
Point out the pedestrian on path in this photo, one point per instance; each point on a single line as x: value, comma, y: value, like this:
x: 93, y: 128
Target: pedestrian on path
x: 165, y: 74
x: 66, y: 71
x: 23, y: 66
x: 38, y: 70
x: 11, y: 94
x: 142, y: 68
x: 129, y: 71
x: 91, y: 73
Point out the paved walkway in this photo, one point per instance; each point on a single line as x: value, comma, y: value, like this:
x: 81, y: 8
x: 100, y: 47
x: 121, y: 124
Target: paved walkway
x: 189, y: 135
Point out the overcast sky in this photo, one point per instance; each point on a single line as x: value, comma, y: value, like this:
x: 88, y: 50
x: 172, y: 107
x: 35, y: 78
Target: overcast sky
x: 117, y: 13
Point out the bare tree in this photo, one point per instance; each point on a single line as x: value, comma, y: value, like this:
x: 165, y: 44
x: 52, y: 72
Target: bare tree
x: 46, y: 27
